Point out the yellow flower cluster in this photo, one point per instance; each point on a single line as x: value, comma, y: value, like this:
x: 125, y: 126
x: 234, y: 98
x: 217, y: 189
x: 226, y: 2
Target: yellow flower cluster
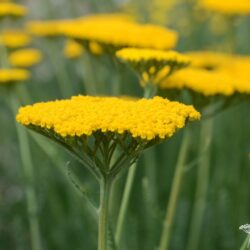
x: 25, y: 58
x: 229, y: 7
x: 120, y: 33
x: 150, y: 55
x: 8, y: 76
x: 208, y: 59
x: 202, y: 81
x: 14, y: 39
x: 153, y: 65
x: 83, y: 115
x: 72, y: 49
x: 46, y: 28
x: 11, y: 9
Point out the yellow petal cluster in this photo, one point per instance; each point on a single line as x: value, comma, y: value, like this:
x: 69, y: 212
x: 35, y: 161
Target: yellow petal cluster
x: 8, y: 76
x: 208, y: 59
x: 14, y: 38
x: 83, y: 115
x: 120, y: 33
x: 150, y: 55
x: 25, y: 58
x: 11, y: 9
x: 229, y: 7
x: 45, y: 28
x: 202, y: 81
x: 73, y: 49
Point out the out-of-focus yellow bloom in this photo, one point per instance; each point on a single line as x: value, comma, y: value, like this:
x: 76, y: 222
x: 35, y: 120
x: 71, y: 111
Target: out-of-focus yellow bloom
x: 228, y: 7
x: 151, y: 64
x: 8, y: 76
x: 14, y: 39
x: 25, y: 58
x: 208, y: 59
x: 83, y: 115
x: 238, y: 67
x: 45, y: 28
x: 73, y: 49
x: 121, y: 33
x: 11, y: 9
x: 205, y: 82
x: 95, y: 48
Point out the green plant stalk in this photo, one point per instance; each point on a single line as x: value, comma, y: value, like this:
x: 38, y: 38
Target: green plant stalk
x: 245, y: 243
x: 148, y: 92
x: 105, y: 188
x: 124, y: 203
x: 29, y: 179
x: 202, y: 184
x: 175, y: 192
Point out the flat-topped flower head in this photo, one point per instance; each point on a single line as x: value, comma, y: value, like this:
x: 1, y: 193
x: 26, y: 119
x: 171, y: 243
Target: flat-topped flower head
x: 12, y: 9
x: 25, y: 58
x: 11, y: 76
x: 150, y: 63
x: 73, y: 49
x: 48, y: 28
x: 113, y: 35
x: 209, y: 60
x: 13, y: 39
x: 228, y: 7
x: 205, y: 87
x: 131, y: 125
x: 204, y: 82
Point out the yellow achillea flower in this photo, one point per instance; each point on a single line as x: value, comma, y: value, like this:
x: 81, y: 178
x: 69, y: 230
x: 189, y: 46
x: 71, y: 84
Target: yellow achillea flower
x: 11, y: 9
x: 45, y: 28
x: 8, y: 76
x: 25, y: 58
x: 208, y: 59
x: 228, y: 7
x: 84, y: 115
x: 14, y: 39
x: 201, y: 81
x: 73, y: 49
x: 113, y: 35
x: 153, y: 65
x: 238, y: 68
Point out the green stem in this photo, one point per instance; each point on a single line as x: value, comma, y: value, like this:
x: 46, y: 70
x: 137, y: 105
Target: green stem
x: 202, y: 184
x: 148, y: 93
x: 175, y: 191
x: 245, y: 244
x: 105, y: 188
x: 28, y: 172
x: 124, y: 203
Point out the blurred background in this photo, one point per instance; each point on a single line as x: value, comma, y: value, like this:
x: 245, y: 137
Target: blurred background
x: 65, y: 220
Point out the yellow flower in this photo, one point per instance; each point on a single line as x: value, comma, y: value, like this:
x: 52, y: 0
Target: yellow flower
x: 45, y: 28
x: 11, y: 9
x: 25, y: 58
x: 228, y: 7
x: 115, y: 34
x: 95, y: 48
x: 73, y: 49
x: 14, y: 39
x: 208, y: 59
x: 205, y: 82
x: 152, y: 64
x: 145, y: 119
x: 8, y: 76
